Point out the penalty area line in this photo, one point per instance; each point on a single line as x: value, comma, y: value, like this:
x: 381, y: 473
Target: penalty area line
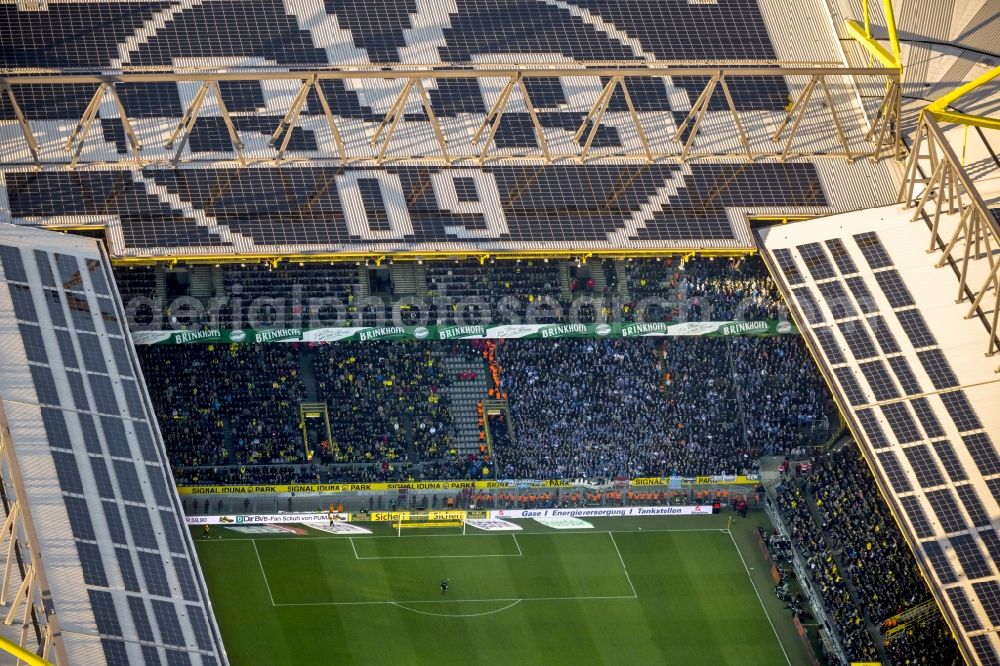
x: 451, y: 601
x: 262, y: 572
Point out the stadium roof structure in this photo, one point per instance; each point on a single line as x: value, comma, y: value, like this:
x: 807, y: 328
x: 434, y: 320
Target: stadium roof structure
x: 225, y: 129
x: 99, y: 567
x: 914, y: 368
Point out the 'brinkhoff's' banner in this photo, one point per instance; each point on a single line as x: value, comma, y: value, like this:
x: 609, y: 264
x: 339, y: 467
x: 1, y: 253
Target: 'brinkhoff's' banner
x: 506, y: 331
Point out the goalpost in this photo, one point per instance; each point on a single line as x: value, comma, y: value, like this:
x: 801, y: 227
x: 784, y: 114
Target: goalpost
x: 432, y: 519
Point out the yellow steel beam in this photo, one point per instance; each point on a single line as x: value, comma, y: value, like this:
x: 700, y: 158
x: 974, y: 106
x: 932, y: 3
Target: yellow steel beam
x: 938, y: 108
x: 411, y: 256
x: 875, y: 49
x: 15, y: 650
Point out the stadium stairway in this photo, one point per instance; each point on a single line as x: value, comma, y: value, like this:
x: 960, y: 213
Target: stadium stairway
x: 622, y: 270
x: 463, y: 396
x: 420, y: 276
x: 565, y: 293
x: 201, y: 284
x: 404, y: 282
x: 598, y: 276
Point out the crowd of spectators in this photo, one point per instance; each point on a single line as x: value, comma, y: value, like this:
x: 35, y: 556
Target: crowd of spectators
x: 383, y: 399
x: 854, y: 528
x: 646, y: 407
x: 226, y: 404
x: 244, y: 475
x: 826, y: 576
x: 581, y: 408
x: 785, y: 404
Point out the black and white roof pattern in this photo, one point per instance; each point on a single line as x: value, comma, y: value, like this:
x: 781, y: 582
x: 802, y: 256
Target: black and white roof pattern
x: 112, y: 534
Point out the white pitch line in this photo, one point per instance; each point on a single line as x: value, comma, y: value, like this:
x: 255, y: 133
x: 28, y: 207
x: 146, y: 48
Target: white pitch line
x: 498, y: 610
x: 429, y: 557
x: 757, y: 592
x: 354, y: 548
x: 447, y: 601
x: 624, y: 568
x: 262, y: 572
x: 519, y: 553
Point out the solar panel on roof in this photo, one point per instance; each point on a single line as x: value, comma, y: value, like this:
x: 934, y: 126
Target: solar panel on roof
x: 988, y: 593
x: 76, y: 388
x: 949, y: 460
x: 946, y: 509
x: 67, y: 472
x: 915, y: 513
x: 91, y: 563
x: 200, y: 625
x: 879, y: 380
x: 904, y: 375
x: 872, y: 428
x: 45, y: 387
x: 153, y: 573
x: 66, y: 348
x: 816, y: 261
x: 883, y: 335
x: 858, y: 288
x: 829, y: 345
x: 159, y: 486
x: 13, y: 265
x: 901, y: 423
x: 894, y: 472
x: 90, y: 438
x: 939, y: 562
x: 102, y: 478
x: 105, y: 613
x: 808, y: 305
x: 55, y: 428
x: 992, y: 542
x: 923, y: 466
x: 127, y: 568
x: 79, y: 517
x: 128, y: 481
x: 113, y: 517
x: 872, y: 250
x: 34, y: 346
x: 984, y: 650
x: 177, y: 657
x: 174, y: 541
x: 937, y: 368
x: 836, y: 299
x: 132, y: 399
x: 170, y: 626
x: 114, y: 652
x: 894, y: 288
x: 69, y: 272
x: 44, y: 268
x: 970, y: 557
x: 188, y: 588
x: 140, y: 528
x: 974, y: 507
x: 55, y: 303
x: 963, y: 609
x: 958, y: 407
x: 840, y: 256
x: 927, y: 418
x: 858, y: 340
x: 97, y: 278
x: 114, y: 435
x: 24, y: 306
x: 151, y: 654
x: 140, y: 618
x: 850, y: 386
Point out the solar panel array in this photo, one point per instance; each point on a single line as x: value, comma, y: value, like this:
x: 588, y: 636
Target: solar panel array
x: 939, y: 465
x: 109, y: 466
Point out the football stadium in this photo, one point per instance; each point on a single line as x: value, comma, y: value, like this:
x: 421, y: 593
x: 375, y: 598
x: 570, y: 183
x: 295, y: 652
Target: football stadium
x: 500, y: 331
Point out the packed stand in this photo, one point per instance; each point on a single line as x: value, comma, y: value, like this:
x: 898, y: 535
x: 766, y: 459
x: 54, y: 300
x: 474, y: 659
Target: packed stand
x: 861, y: 535
x: 826, y: 577
x: 783, y: 398
x: 382, y: 397
x: 226, y: 404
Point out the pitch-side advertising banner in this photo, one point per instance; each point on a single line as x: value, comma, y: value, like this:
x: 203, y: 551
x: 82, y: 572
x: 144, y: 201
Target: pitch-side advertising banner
x: 596, y: 512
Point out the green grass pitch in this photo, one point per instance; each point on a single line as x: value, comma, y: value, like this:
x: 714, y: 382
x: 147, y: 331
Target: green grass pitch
x: 675, y: 592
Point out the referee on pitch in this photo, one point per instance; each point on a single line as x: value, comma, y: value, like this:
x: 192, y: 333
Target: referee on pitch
x: 444, y: 587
